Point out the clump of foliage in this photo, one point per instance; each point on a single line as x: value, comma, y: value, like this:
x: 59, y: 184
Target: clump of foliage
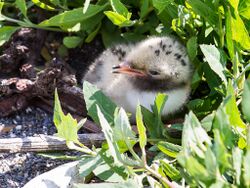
x: 220, y: 160
x: 215, y: 146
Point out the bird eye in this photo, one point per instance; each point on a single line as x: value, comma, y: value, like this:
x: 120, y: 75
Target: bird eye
x: 153, y: 72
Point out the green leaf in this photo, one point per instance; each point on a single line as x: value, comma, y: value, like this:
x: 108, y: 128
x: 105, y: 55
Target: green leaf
x: 93, y: 96
x: 119, y: 8
x: 109, y: 135
x: 232, y: 109
x: 160, y: 5
x: 239, y: 31
x: 214, y: 59
x: 122, y: 130
x: 119, y: 19
x: 207, y: 122
x: 6, y: 32
x: 66, y: 125
x: 169, y: 149
x: 72, y: 17
x: 206, y: 11
x: 246, y: 100
x: 141, y: 128
x: 211, y: 163
x: 192, y: 48
x: 42, y: 5
x: 197, y: 170
x: 58, y: 113
x: 21, y: 4
x: 88, y: 164
x: 244, y: 7
x: 144, y: 9
x: 246, y: 165
x: 220, y: 151
x: 194, y: 137
x: 229, y: 35
x: 110, y: 172
x: 237, y: 161
x: 170, y: 170
x: 129, y: 183
x: 221, y: 122
x: 72, y: 41
x: 105, y: 173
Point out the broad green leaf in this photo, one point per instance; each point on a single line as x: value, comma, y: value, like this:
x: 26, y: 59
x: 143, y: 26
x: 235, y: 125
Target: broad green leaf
x: 221, y: 122
x: 93, y: 34
x: 160, y: 5
x: 232, y: 109
x: 246, y: 165
x: 229, y: 35
x: 21, y: 4
x: 239, y: 31
x: 110, y: 172
x: 125, y: 184
x: 194, y: 137
x: 153, y: 120
x: 246, y: 100
x: 205, y: 11
x: 244, y: 7
x: 58, y: 113
x: 119, y: 8
x: 237, y: 163
x: 170, y: 170
x: 72, y: 41
x: 211, y: 163
x: 122, y: 130
x: 6, y: 32
x: 105, y: 173
x: 197, y: 170
x: 42, y: 5
x: 220, y: 151
x: 88, y: 164
x: 192, y: 47
x: 141, y: 128
x: 169, y: 149
x: 118, y: 19
x: 207, y: 122
x: 109, y: 135
x: 93, y: 96
x: 66, y: 125
x: 144, y: 8
x: 73, y: 17
x: 214, y: 59
x: 149, y: 120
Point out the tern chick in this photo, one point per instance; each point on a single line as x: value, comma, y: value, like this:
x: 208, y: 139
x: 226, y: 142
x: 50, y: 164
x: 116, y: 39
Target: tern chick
x: 132, y: 74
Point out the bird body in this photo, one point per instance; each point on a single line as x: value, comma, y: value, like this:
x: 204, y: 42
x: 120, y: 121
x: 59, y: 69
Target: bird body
x: 140, y: 71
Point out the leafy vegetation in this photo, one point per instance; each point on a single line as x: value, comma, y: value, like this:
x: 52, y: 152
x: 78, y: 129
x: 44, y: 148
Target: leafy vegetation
x: 215, y: 146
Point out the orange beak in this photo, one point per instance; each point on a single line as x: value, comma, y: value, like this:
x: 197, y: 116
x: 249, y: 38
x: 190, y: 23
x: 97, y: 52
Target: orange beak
x: 124, y: 68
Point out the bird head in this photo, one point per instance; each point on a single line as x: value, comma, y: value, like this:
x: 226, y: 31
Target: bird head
x: 158, y: 62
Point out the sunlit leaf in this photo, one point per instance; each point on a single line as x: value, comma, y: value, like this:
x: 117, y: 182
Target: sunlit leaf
x: 93, y: 96
x: 246, y: 100
x: 214, y: 59
x: 74, y: 16
x: 141, y: 128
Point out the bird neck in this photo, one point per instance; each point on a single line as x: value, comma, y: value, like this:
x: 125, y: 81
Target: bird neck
x: 150, y: 84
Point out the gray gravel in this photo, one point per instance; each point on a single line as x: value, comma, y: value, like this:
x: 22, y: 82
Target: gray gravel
x: 16, y: 169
